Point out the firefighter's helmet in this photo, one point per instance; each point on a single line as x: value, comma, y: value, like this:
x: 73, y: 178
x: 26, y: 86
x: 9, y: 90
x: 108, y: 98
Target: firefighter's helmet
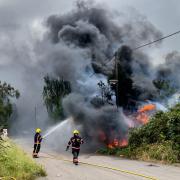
x: 75, y: 132
x: 38, y: 130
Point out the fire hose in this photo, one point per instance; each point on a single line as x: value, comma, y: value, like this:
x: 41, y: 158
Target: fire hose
x: 102, y: 166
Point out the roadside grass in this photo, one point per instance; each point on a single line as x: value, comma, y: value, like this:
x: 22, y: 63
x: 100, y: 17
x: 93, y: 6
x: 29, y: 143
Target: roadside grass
x: 162, y: 152
x: 15, y: 163
x: 159, y: 152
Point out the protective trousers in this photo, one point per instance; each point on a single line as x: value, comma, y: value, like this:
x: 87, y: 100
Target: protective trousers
x: 36, y: 150
x: 75, y: 153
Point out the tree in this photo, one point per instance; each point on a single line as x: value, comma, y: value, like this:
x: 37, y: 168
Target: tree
x: 6, y: 92
x: 106, y: 92
x: 53, y: 93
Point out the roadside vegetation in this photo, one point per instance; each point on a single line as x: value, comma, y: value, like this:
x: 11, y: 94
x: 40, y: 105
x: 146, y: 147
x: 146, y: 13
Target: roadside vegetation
x: 159, y: 140
x: 15, y: 163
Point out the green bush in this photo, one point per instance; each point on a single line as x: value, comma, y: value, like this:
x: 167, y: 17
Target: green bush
x: 162, y: 152
x: 174, y: 127
x: 155, y: 131
x: 164, y: 126
x: 107, y: 151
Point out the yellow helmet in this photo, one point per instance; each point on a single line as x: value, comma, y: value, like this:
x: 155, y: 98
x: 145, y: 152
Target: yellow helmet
x: 75, y: 132
x: 38, y: 130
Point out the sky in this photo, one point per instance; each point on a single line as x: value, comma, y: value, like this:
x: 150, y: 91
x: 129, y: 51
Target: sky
x: 16, y: 16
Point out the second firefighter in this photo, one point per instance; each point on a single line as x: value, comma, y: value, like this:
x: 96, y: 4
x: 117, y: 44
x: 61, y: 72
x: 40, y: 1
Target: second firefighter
x: 76, y: 142
x: 37, y: 143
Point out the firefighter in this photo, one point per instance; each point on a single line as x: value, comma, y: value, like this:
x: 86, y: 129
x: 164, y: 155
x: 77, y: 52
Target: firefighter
x: 76, y: 142
x: 37, y: 143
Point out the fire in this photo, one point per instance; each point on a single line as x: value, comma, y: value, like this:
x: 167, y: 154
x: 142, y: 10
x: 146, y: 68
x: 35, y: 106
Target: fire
x: 118, y: 143
x: 110, y: 146
x: 148, y: 107
x: 123, y: 143
x: 143, y: 116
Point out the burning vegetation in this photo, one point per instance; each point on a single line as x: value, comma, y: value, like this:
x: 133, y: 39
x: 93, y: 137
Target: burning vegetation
x: 157, y: 140
x: 143, y: 113
x: 139, y: 118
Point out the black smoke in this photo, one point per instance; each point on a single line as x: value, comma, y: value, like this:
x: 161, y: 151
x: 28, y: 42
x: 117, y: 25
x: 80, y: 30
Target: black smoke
x: 170, y: 70
x: 82, y: 42
x: 95, y: 29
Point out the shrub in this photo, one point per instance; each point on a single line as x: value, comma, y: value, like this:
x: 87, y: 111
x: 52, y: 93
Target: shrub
x: 161, y: 152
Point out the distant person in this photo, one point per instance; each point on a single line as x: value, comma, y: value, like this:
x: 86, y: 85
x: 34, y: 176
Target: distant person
x: 3, y: 134
x: 37, y: 143
x: 76, y: 142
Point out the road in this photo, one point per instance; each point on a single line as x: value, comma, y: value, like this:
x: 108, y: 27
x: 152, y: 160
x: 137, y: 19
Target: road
x: 58, y: 169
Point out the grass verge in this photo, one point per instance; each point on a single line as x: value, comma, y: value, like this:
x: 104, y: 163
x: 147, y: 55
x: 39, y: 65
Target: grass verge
x: 15, y: 163
x: 158, y: 152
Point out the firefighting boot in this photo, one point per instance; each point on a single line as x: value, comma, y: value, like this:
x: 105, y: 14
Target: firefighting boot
x: 34, y: 155
x: 76, y: 161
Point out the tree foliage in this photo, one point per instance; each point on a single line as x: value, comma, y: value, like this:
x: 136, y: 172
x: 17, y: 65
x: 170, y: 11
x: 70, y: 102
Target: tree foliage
x: 53, y: 93
x: 106, y: 93
x: 6, y: 92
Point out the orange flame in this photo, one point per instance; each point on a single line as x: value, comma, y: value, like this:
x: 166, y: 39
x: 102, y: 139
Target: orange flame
x: 142, y: 116
x: 148, y: 107
x: 123, y: 143
x: 118, y: 143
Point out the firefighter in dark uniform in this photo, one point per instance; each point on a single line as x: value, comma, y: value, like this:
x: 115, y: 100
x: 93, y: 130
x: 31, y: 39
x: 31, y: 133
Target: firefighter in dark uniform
x: 76, y: 142
x: 37, y: 143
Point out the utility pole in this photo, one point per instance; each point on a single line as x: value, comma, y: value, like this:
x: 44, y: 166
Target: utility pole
x: 117, y: 81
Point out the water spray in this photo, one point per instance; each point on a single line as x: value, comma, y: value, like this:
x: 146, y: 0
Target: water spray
x: 56, y: 127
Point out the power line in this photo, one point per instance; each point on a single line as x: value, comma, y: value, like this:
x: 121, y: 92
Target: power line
x: 165, y: 37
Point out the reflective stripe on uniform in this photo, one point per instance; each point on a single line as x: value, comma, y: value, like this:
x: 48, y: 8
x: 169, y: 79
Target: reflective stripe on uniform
x: 75, y: 148
x: 37, y: 143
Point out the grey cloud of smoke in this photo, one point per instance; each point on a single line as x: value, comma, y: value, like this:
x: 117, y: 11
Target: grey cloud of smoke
x: 95, y: 29
x: 94, y: 121
x: 73, y: 46
x: 170, y: 70
x: 92, y: 32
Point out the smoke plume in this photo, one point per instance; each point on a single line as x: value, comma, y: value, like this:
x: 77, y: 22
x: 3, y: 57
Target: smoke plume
x: 83, y: 42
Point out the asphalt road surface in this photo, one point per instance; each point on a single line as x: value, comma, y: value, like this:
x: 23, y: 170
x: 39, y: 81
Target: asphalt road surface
x: 58, y: 169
